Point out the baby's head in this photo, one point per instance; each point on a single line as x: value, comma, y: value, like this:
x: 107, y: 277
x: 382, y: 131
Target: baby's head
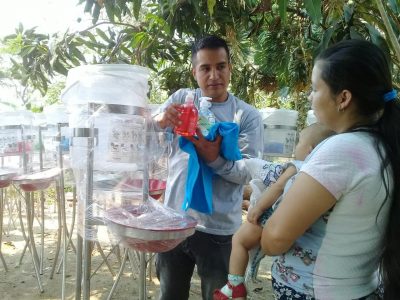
x: 310, y: 137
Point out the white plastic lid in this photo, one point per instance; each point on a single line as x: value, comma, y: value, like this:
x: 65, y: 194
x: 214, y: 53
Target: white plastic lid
x: 189, y: 97
x: 121, y: 84
x: 273, y: 116
x: 205, y: 101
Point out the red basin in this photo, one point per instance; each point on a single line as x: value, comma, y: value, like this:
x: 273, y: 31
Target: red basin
x: 151, y: 246
x: 5, y: 183
x: 35, y: 186
x: 37, y: 181
x: 162, y: 232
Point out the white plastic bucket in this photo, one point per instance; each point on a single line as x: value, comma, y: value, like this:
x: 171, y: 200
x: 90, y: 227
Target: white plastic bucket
x: 110, y: 84
x: 280, y: 131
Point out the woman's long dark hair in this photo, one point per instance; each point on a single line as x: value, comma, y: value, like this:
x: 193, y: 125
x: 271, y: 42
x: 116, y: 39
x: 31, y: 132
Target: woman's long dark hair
x: 363, y: 68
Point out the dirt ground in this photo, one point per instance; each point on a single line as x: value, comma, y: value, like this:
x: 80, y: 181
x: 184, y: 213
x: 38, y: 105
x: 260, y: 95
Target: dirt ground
x: 19, y: 282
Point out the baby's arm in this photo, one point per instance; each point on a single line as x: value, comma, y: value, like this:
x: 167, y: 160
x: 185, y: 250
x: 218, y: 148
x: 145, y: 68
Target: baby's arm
x: 270, y: 195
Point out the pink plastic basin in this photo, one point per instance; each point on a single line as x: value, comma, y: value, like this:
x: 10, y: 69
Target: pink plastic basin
x: 6, y: 177
x: 37, y: 181
x: 159, y: 235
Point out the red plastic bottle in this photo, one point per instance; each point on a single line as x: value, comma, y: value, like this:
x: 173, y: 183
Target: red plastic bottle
x: 189, y: 116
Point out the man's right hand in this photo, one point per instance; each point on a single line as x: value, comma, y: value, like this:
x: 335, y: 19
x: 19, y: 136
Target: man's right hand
x: 169, y: 118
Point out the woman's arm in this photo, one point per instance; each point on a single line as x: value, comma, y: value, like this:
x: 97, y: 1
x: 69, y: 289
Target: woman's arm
x: 302, y: 205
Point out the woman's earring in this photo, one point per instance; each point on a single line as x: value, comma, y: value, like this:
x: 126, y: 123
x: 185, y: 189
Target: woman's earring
x: 340, y: 109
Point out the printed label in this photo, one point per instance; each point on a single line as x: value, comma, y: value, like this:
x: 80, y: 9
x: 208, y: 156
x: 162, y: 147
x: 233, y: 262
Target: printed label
x: 126, y: 142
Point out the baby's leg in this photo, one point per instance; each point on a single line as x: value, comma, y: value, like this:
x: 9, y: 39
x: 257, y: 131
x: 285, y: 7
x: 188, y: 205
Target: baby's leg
x: 244, y: 239
x: 247, y: 237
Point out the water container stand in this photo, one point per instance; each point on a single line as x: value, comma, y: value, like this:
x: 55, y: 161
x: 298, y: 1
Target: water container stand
x: 84, y: 246
x: 29, y: 236
x: 65, y: 237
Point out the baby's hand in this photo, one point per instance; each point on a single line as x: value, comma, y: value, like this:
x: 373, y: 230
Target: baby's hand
x: 253, y: 215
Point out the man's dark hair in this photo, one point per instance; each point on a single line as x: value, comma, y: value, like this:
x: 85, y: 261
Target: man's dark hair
x: 209, y: 42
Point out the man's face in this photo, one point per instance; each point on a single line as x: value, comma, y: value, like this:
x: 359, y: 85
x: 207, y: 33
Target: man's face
x: 212, y: 71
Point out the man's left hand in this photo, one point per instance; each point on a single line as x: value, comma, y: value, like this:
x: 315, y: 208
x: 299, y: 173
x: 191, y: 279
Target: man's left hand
x: 208, y: 150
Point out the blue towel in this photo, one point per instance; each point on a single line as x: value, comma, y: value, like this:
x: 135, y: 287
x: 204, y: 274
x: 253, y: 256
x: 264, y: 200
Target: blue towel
x: 198, y: 194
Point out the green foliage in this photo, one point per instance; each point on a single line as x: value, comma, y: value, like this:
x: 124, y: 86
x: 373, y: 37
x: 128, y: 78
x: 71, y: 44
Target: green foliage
x: 273, y: 42
x: 313, y: 8
x: 54, y: 92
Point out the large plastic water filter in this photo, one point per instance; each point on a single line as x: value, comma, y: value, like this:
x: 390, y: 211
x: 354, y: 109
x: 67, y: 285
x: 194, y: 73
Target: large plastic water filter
x: 17, y: 138
x: 280, y: 131
x: 56, y: 115
x: 55, y: 133
x: 16, y: 133
x: 118, y: 159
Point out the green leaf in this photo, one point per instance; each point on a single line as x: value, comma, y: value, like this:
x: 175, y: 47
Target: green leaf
x: 210, y: 6
x: 101, y: 34
x: 354, y: 34
x: 20, y: 27
x: 394, y: 5
x: 136, y: 8
x: 59, y: 68
x: 377, y: 38
x: 126, y: 51
x: 326, y: 38
x: 78, y: 54
x: 109, y: 5
x: 348, y: 12
x: 89, y: 35
x: 88, y: 5
x: 282, y: 9
x: 313, y: 8
x: 96, y: 13
x: 138, y: 38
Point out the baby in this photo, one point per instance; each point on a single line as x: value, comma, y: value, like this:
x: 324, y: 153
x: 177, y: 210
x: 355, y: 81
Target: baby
x: 249, y: 234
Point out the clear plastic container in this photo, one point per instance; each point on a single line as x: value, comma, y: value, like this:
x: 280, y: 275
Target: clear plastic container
x: 188, y: 117
x: 206, y: 116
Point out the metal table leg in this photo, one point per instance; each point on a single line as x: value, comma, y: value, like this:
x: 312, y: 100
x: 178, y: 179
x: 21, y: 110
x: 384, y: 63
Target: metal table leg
x: 1, y: 227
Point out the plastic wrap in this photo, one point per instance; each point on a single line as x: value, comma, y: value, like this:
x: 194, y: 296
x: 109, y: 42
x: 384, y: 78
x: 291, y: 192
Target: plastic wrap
x: 6, y: 176
x: 55, y: 132
x: 119, y: 139
x: 36, y: 181
x: 149, y: 226
x: 17, y: 137
x: 121, y: 188
x: 117, y: 159
x: 16, y: 133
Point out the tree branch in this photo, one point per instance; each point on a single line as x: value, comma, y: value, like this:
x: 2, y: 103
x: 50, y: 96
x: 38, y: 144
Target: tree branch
x: 111, y: 23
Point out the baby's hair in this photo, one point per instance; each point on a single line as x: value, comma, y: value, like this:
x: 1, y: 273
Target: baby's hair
x: 316, y: 133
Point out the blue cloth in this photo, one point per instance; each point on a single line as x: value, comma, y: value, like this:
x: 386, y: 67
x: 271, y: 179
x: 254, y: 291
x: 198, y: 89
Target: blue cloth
x: 198, y: 192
